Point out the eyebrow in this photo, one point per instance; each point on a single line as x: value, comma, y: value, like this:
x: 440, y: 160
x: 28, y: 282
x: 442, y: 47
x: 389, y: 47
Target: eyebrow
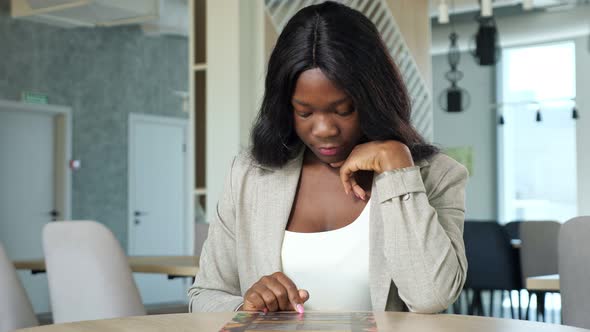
x: 332, y: 104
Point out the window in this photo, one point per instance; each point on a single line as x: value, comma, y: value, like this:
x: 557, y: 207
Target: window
x: 537, y: 159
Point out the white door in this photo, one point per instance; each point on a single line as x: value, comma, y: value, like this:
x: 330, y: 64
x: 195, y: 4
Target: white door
x: 157, y: 199
x: 26, y: 191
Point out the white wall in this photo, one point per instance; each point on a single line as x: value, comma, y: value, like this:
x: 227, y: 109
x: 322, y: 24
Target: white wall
x: 473, y: 127
x: 235, y: 58
x: 583, y: 123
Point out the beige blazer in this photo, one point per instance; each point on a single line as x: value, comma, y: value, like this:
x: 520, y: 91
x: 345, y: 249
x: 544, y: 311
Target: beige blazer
x: 416, y: 256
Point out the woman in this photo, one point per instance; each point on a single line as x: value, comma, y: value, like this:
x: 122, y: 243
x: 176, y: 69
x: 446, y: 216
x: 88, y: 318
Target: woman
x: 339, y: 204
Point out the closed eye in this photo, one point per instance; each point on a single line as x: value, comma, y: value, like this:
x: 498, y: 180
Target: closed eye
x: 303, y: 114
x: 346, y: 113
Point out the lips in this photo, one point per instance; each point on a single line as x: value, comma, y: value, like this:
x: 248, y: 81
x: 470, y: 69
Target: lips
x: 329, y: 150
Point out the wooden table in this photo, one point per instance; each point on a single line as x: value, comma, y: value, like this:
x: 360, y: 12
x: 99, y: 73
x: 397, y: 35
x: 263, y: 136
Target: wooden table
x: 173, y: 266
x: 543, y: 283
x: 386, y: 321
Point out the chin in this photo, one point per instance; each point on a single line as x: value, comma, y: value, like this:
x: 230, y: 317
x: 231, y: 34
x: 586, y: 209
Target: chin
x: 330, y: 159
x: 326, y: 158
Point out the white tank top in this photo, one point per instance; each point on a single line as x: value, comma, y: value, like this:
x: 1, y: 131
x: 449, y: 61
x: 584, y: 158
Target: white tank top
x: 332, y: 266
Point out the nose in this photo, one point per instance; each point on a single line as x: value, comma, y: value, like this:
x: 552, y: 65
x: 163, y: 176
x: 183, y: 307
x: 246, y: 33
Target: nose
x: 324, y: 126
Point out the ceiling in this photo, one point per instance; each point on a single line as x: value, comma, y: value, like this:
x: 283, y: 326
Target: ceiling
x: 461, y: 9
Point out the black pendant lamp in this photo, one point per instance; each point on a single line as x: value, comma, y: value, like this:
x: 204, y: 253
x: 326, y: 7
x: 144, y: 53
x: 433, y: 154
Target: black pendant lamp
x: 539, y: 118
x: 454, y: 98
x: 487, y: 51
x: 575, y: 115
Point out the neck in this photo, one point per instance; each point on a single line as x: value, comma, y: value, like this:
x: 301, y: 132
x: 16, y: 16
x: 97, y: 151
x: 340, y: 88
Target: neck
x: 311, y: 160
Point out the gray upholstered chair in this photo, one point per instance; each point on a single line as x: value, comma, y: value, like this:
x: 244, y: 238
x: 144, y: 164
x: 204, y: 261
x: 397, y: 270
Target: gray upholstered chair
x: 16, y: 311
x: 88, y: 273
x: 201, y: 231
x: 574, y: 271
x: 538, y: 254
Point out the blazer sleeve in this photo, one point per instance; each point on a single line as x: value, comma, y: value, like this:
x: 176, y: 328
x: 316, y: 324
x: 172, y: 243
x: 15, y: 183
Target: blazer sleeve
x: 424, y: 232
x: 216, y: 287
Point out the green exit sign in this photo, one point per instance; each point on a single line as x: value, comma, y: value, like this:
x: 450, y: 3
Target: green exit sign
x: 34, y: 98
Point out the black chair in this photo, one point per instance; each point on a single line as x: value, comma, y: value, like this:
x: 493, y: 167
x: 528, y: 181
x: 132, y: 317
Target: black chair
x: 513, y: 229
x: 493, y: 264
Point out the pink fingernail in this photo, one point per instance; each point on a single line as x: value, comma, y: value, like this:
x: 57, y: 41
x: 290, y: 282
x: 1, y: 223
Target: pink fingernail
x: 299, y: 308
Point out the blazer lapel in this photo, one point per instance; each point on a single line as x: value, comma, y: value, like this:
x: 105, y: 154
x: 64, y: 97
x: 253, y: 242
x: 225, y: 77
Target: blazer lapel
x: 276, y: 195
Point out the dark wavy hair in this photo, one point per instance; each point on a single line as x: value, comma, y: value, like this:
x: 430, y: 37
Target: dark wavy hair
x: 348, y: 49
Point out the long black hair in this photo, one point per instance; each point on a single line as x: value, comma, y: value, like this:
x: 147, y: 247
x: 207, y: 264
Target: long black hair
x: 348, y: 49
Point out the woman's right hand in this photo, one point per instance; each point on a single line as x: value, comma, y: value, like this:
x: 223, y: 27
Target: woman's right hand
x: 275, y: 292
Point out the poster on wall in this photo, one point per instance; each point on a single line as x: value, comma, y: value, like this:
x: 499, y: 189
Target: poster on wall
x: 462, y: 154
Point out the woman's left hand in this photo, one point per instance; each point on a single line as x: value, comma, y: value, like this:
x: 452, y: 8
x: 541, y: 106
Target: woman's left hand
x: 376, y: 156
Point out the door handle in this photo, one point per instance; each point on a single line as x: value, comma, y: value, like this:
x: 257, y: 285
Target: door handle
x: 138, y: 214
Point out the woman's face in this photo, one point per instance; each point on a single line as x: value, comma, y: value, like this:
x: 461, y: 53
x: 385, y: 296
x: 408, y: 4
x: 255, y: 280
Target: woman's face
x: 324, y: 116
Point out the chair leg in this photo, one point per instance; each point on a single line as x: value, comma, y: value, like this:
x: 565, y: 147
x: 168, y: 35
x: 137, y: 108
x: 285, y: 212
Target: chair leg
x: 477, y: 304
x: 480, y: 304
x: 491, y: 311
x: 470, y: 302
x: 474, y: 299
x: 511, y: 305
x: 541, y: 305
x: 537, y: 296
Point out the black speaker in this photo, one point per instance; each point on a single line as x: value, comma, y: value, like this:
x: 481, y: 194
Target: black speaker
x: 454, y: 101
x: 485, y: 43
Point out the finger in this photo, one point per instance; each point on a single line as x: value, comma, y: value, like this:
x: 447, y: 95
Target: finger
x: 292, y: 292
x: 270, y: 300
x: 253, y: 302
x: 281, y: 293
x: 357, y: 189
x: 346, y: 172
x: 304, y: 295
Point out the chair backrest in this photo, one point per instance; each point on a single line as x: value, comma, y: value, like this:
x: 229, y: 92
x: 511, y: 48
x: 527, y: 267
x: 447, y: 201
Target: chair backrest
x: 538, y: 248
x: 513, y: 229
x: 88, y: 273
x: 201, y: 231
x: 16, y: 311
x: 574, y: 271
x: 492, y: 262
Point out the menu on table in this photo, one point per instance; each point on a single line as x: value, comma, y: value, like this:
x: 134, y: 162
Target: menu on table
x: 308, y: 322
